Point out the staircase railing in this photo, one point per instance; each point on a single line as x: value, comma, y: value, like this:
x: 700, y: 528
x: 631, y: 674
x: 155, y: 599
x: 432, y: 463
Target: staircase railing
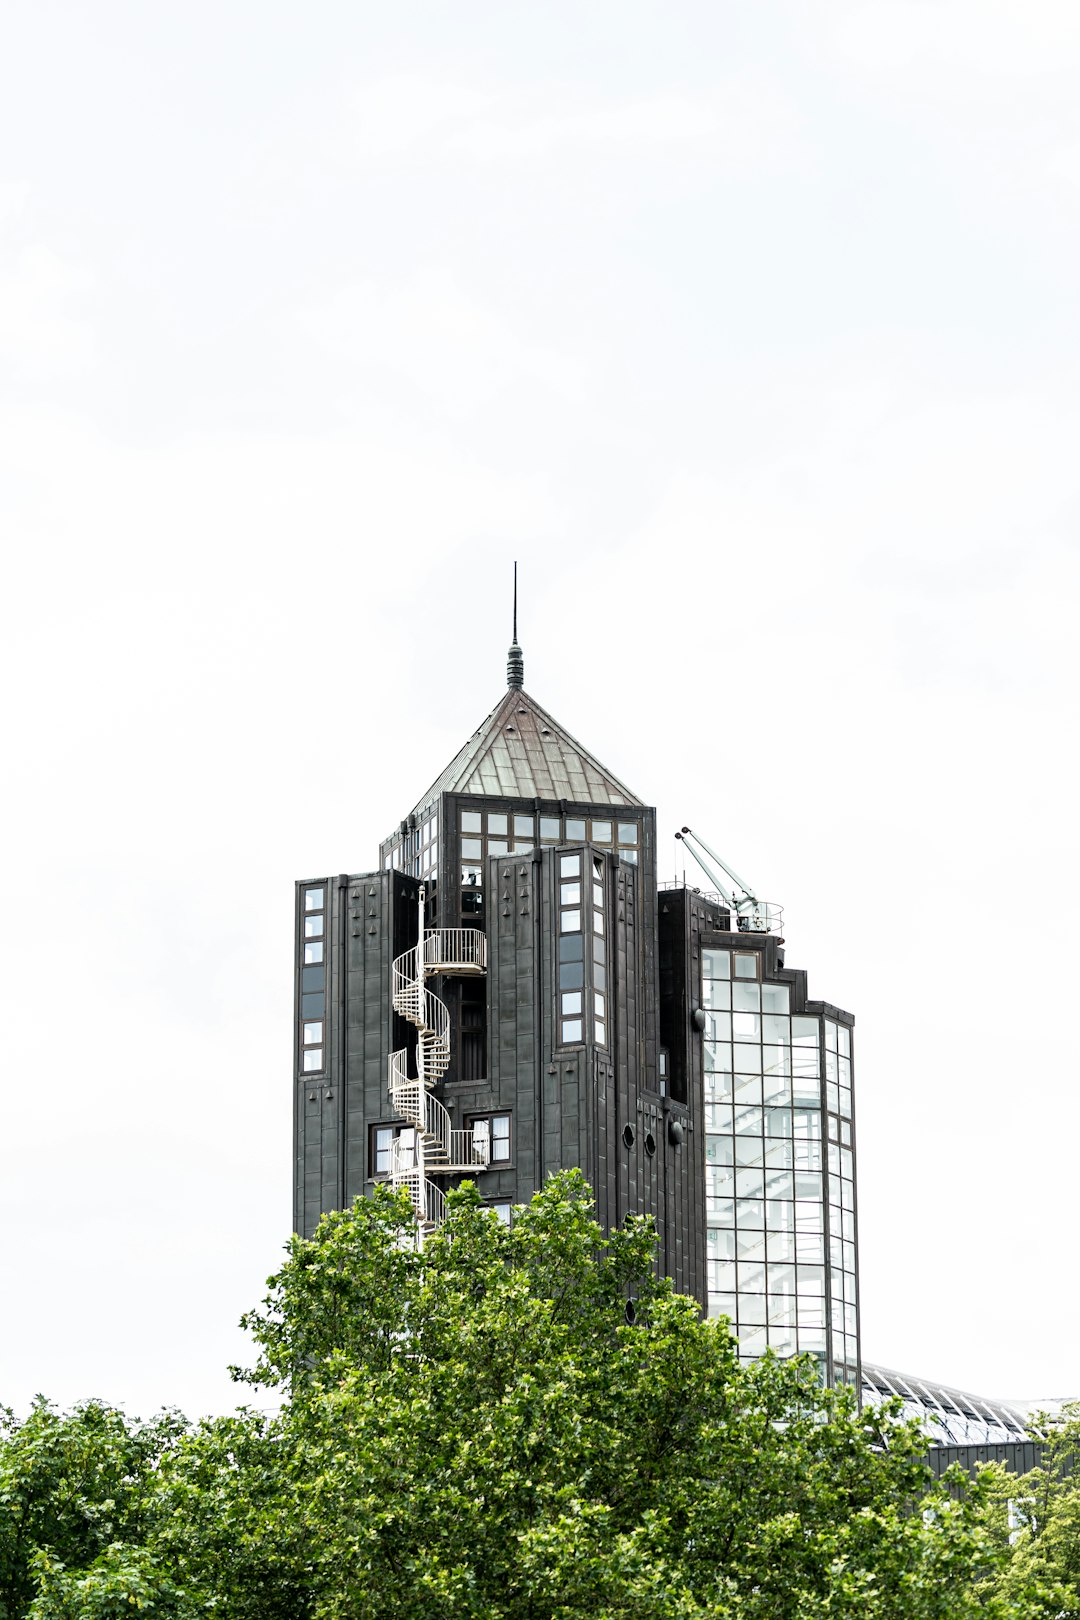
x: 430, y: 1141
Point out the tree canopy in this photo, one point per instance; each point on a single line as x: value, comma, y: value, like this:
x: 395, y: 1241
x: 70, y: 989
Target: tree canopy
x: 484, y: 1431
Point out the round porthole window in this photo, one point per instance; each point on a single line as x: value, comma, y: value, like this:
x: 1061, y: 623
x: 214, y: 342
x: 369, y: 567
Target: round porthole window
x: 650, y: 1143
x: 628, y: 1135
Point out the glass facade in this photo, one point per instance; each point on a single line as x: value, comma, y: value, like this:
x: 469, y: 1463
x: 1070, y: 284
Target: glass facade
x: 779, y: 1167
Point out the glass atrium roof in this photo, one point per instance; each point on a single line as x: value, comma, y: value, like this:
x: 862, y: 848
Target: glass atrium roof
x: 950, y: 1417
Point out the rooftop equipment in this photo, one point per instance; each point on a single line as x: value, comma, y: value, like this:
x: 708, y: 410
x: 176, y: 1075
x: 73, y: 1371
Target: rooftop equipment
x: 752, y: 916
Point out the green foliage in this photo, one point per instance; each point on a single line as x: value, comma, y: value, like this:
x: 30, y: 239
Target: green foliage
x: 70, y: 1486
x: 478, y: 1432
x: 1039, y: 1516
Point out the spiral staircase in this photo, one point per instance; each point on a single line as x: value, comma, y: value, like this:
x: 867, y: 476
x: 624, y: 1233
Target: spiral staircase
x: 429, y: 1142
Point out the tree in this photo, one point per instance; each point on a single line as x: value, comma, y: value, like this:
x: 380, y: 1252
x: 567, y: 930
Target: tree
x: 1038, y: 1517
x: 71, y: 1486
x: 485, y: 1430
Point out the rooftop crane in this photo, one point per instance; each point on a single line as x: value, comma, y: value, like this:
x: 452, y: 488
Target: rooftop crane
x: 752, y: 916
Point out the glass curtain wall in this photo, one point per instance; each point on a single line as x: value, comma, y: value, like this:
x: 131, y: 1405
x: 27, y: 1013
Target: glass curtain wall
x: 769, y: 1143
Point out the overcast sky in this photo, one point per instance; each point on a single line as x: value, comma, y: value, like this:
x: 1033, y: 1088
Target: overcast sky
x: 751, y: 330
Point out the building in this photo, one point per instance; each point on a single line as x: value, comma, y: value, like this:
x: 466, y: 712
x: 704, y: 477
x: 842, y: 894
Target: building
x: 565, y: 1009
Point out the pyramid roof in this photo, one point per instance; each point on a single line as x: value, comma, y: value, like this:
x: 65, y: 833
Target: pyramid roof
x: 521, y: 752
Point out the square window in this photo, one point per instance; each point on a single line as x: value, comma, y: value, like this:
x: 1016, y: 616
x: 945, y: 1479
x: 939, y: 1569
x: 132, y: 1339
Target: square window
x: 570, y: 894
x: 498, y: 846
x: 747, y: 998
x: 751, y: 1311
x: 747, y: 1088
x: 470, y: 821
x: 780, y: 1216
x: 779, y: 1154
x: 313, y: 1033
x: 313, y: 1059
x: 550, y: 829
x: 571, y: 1002
x: 601, y: 832
x: 715, y: 993
x: 313, y: 952
x: 805, y: 1032
x: 781, y: 1247
x: 497, y: 823
x: 774, y: 998
x: 746, y: 964
x: 716, y: 964
x: 750, y: 1183
x: 778, y: 1184
x: 575, y: 830
x: 502, y: 1209
x: 569, y: 866
x: 746, y: 1027
x: 749, y: 1212
x: 748, y: 1120
x: 314, y: 899
x: 571, y: 975
x: 313, y: 926
x: 628, y: 832
x: 571, y: 1029
x: 570, y: 922
x: 524, y: 827
x: 472, y: 849
x: 811, y: 1248
x: 628, y: 855
x: 313, y: 1006
x: 751, y: 1277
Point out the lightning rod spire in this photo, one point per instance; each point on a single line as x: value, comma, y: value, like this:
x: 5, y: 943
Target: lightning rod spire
x: 515, y: 658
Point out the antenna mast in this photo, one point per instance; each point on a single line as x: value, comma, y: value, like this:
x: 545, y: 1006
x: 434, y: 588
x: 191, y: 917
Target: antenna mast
x: 515, y: 659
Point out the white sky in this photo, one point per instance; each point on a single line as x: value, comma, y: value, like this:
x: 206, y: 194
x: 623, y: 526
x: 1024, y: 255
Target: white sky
x: 752, y: 331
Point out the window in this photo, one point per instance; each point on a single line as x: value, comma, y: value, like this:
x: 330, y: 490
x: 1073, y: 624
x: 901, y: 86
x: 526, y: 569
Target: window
x: 314, y: 899
x: 313, y: 1033
x: 503, y: 1209
x: 379, y: 1150
x: 313, y: 925
x: 492, y: 1131
x: 313, y: 952
x: 313, y: 1059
